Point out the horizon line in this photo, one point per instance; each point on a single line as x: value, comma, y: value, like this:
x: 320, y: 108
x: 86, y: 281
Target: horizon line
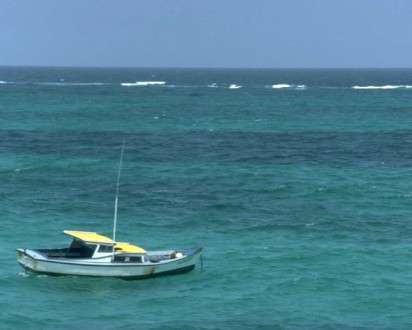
x: 207, y: 67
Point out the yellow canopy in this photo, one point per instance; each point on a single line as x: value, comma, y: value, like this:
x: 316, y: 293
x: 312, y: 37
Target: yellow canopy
x: 128, y: 248
x: 89, y: 237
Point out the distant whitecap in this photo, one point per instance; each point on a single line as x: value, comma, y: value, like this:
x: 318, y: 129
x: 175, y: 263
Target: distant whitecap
x: 382, y: 87
x: 281, y: 86
x: 144, y: 83
x: 234, y: 86
x: 278, y: 86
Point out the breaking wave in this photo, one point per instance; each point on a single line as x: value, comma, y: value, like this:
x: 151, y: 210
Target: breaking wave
x: 143, y: 83
x: 278, y: 86
x: 383, y: 87
x: 231, y: 86
x: 281, y: 86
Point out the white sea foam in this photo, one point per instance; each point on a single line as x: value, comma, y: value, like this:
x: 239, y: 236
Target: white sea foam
x: 234, y: 86
x: 281, y: 86
x: 3, y: 82
x: 278, y: 86
x: 382, y: 87
x: 23, y: 274
x: 128, y: 84
x: 86, y: 84
x: 143, y: 83
x: 212, y: 85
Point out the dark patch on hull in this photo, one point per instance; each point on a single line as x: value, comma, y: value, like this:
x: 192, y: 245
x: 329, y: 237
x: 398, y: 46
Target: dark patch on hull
x: 170, y: 272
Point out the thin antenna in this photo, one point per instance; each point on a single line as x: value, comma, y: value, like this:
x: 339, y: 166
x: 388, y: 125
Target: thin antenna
x: 116, y: 200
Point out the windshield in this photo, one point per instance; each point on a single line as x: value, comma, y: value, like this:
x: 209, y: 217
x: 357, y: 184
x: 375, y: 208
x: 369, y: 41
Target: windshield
x: 82, y: 249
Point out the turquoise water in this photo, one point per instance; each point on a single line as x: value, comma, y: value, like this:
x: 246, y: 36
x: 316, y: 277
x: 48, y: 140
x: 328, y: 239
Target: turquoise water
x: 301, y: 196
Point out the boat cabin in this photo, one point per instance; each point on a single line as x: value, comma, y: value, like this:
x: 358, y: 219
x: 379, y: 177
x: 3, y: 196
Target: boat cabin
x: 90, y: 245
x: 96, y: 246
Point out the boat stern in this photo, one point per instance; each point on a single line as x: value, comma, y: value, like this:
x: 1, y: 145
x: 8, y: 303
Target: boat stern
x: 193, y: 256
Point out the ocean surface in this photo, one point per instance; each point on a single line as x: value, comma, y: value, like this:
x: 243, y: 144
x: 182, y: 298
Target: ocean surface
x: 297, y: 183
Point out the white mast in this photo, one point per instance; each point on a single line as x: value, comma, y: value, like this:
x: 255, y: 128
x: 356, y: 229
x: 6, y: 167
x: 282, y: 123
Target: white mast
x: 117, y: 193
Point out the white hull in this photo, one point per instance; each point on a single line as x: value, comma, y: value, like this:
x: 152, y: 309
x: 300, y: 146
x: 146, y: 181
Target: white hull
x: 36, y: 262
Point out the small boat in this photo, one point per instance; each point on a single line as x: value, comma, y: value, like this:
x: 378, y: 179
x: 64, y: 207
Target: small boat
x: 92, y: 254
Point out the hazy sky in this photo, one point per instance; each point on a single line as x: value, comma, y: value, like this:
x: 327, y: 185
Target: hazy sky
x: 208, y: 33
